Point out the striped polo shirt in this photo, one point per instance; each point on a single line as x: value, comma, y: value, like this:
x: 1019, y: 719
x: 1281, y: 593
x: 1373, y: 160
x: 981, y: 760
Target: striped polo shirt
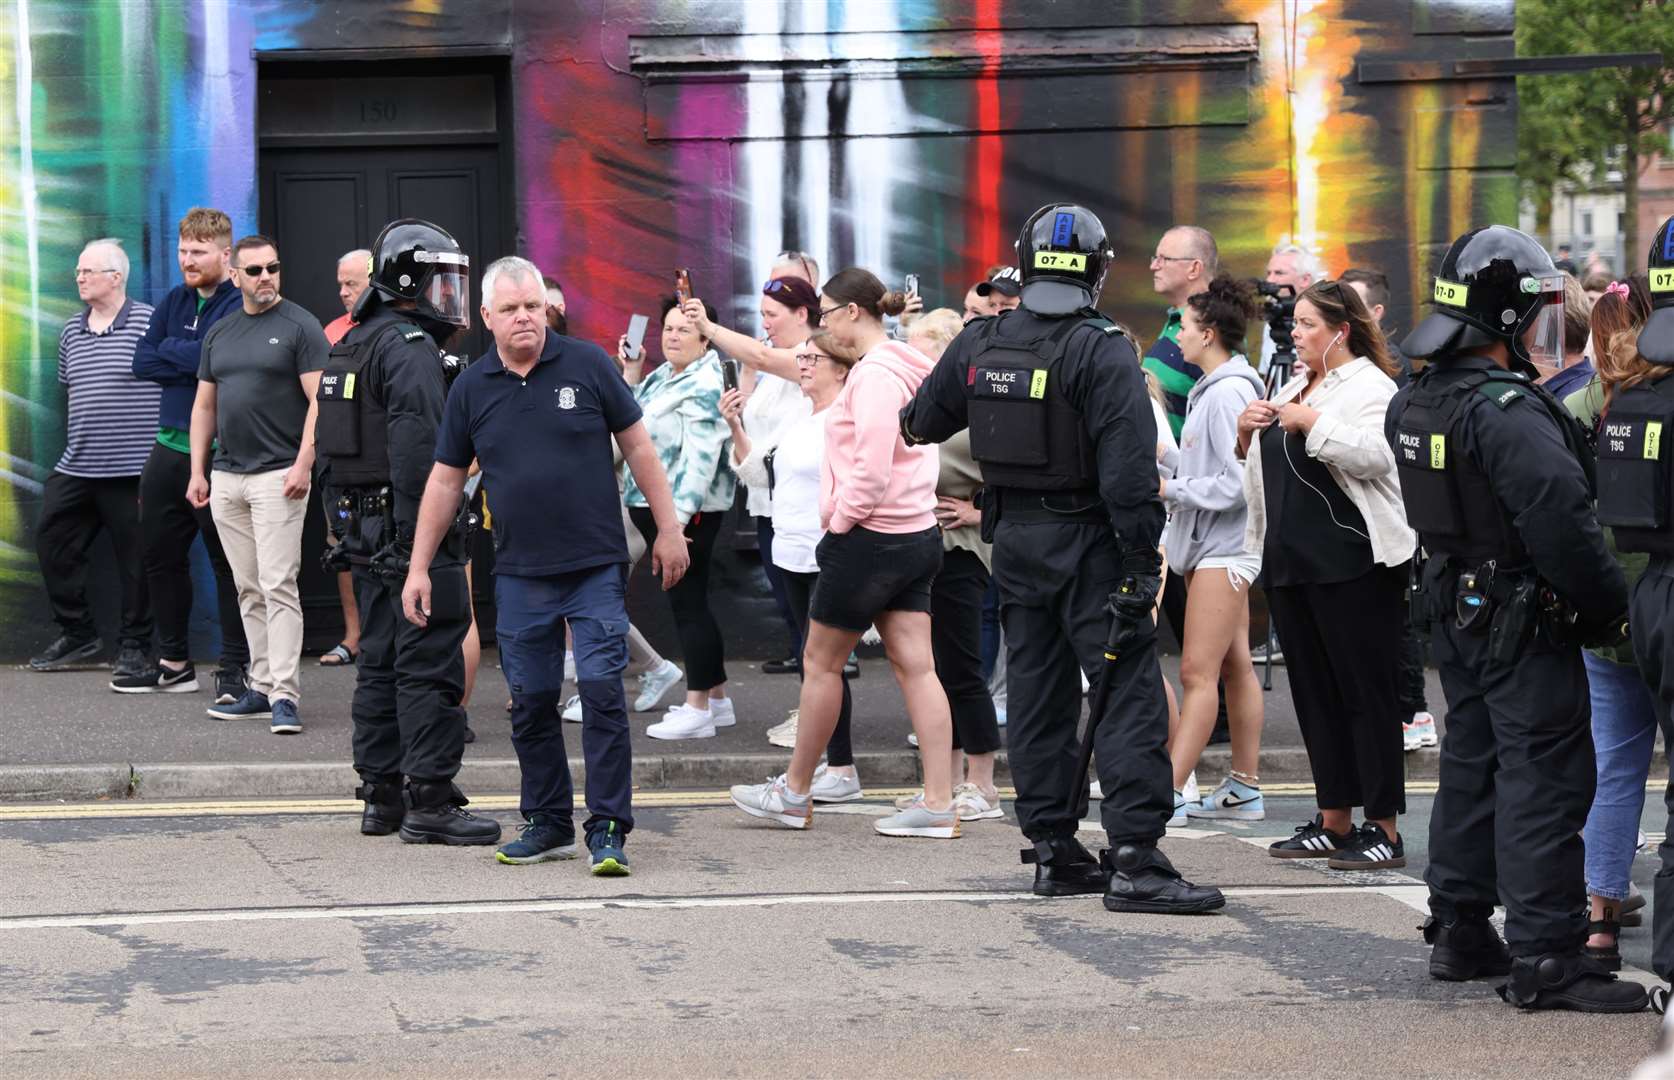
x: 1176, y: 376
x: 113, y: 416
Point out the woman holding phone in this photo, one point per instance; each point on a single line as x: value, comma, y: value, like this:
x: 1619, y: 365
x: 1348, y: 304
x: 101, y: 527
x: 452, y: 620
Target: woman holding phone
x: 681, y: 401
x: 877, y: 562
x: 1326, y: 516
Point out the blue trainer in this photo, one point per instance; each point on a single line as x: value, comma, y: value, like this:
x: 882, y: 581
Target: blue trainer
x: 252, y: 706
x: 285, y: 719
x: 605, y: 843
x: 1234, y: 800
x: 542, y: 838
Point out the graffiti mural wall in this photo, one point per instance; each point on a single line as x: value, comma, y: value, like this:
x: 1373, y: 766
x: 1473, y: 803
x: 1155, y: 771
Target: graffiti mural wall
x: 908, y: 136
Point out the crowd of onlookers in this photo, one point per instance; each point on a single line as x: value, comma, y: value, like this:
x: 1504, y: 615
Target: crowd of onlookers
x: 195, y: 419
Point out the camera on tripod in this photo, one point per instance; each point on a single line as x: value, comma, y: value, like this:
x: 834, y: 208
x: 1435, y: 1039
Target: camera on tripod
x: 1278, y: 304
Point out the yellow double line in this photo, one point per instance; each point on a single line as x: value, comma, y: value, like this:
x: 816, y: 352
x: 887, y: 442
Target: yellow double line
x: 253, y: 807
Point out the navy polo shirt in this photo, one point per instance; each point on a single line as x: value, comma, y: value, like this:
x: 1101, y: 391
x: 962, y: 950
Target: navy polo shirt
x: 544, y: 443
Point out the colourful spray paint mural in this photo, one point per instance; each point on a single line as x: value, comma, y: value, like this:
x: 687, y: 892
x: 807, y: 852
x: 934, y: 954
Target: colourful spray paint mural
x: 909, y: 136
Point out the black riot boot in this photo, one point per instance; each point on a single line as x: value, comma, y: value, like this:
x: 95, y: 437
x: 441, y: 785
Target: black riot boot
x: 384, y: 806
x: 1465, y: 949
x: 1570, y: 981
x: 1064, y: 868
x: 1143, y: 880
x: 436, y: 815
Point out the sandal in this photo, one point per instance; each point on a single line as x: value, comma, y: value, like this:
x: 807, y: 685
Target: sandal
x: 1608, y: 956
x: 339, y: 656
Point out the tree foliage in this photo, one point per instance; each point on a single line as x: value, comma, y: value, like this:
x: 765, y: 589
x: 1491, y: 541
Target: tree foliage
x: 1573, y: 127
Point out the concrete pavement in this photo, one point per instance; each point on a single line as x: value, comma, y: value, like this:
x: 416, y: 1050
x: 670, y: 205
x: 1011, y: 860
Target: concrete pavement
x: 178, y: 940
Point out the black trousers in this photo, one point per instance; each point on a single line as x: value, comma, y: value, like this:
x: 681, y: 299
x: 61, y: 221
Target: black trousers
x: 73, y: 511
x: 1651, y: 614
x: 956, y: 641
x: 1341, y: 655
x: 1517, y: 778
x: 776, y: 584
x: 168, y: 525
x: 409, y: 680
x: 701, y: 644
x: 1055, y: 580
x: 799, y: 590
x: 1411, y: 654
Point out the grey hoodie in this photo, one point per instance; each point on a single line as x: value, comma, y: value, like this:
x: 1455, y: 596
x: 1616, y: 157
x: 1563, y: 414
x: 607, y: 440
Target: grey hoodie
x: 1205, y: 498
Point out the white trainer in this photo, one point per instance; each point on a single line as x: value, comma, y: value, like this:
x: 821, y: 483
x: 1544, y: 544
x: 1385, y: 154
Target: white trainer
x: 721, y: 709
x: 1421, y: 732
x: 834, y: 787
x: 784, y: 734
x: 1190, y: 790
x: 683, y: 722
x: 912, y: 739
x: 1095, y: 790
x: 572, y: 709
x: 774, y: 802
x: 655, y: 684
x: 972, y: 805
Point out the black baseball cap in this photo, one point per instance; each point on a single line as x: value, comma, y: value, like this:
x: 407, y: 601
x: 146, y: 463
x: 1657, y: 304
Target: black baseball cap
x: 1006, y: 281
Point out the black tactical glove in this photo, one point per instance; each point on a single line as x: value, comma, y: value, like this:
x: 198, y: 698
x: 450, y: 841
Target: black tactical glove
x: 1141, y: 581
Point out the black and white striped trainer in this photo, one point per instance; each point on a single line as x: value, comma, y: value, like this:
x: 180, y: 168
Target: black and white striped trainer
x: 1313, y: 841
x: 1372, y: 850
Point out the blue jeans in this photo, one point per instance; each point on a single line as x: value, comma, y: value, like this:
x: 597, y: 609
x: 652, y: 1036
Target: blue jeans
x: 532, y: 612
x: 1624, y: 731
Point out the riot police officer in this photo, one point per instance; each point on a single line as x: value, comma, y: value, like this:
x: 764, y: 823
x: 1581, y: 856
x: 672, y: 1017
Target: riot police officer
x: 380, y: 404
x: 1636, y: 481
x: 1496, y: 479
x: 1062, y: 427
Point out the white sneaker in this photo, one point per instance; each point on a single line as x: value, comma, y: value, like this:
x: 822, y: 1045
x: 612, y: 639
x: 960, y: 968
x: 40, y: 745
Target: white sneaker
x: 773, y: 801
x: 683, y: 722
x: 1420, y: 733
x: 784, y: 734
x: 655, y: 684
x: 1095, y: 790
x: 722, y: 711
x: 1178, y: 820
x: 904, y: 801
x: 912, y: 739
x: 833, y: 787
x: 971, y: 805
x: 1190, y: 790
x: 572, y: 709
x: 999, y: 716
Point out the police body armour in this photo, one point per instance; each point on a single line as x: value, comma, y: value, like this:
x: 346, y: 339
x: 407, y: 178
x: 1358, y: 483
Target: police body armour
x: 1025, y: 433
x: 351, y: 431
x: 1635, y: 475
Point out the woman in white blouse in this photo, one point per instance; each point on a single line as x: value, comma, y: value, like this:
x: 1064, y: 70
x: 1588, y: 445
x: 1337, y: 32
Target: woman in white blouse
x: 788, y: 465
x: 1325, y: 515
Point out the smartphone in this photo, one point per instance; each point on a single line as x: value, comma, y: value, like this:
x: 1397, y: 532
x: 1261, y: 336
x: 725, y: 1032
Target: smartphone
x: 683, y: 285
x: 912, y: 284
x: 636, y: 335
x: 729, y: 374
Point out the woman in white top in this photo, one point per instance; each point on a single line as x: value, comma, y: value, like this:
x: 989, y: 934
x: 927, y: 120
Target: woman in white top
x: 788, y: 464
x: 790, y: 310
x: 1325, y: 515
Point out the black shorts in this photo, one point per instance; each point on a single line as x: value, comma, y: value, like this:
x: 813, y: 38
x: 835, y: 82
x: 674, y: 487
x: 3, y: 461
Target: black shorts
x: 864, y: 573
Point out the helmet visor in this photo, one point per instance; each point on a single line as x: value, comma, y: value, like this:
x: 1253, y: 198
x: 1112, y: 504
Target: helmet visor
x: 1542, y: 332
x: 447, y: 295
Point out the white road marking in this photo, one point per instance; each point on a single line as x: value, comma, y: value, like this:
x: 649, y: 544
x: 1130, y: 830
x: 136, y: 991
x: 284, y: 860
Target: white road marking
x: 600, y: 903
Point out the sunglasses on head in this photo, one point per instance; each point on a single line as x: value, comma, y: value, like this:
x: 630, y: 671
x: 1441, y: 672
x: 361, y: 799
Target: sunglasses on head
x: 257, y: 269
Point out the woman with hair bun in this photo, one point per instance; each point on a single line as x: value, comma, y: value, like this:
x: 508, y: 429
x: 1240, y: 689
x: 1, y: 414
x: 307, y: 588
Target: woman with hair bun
x: 880, y: 555
x: 1205, y: 542
x: 1326, y: 517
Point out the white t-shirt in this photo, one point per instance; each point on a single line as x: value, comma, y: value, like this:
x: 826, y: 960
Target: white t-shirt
x: 796, y: 492
x: 772, y: 404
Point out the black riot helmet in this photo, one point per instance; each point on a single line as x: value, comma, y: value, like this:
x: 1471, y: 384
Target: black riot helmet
x: 1495, y: 284
x: 1063, y: 254
x: 1656, y: 339
x: 415, y: 260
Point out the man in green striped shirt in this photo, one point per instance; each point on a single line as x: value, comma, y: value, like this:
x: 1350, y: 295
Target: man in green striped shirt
x: 1186, y: 259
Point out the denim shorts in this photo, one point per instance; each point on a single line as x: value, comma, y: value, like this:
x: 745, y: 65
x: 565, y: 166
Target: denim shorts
x: 864, y: 573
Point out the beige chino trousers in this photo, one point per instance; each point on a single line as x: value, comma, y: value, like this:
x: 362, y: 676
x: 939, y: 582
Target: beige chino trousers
x: 261, y: 532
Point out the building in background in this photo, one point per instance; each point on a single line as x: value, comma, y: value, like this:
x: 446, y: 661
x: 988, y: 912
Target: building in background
x: 612, y: 141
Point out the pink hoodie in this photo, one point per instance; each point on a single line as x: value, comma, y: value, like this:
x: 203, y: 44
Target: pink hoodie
x: 871, y: 477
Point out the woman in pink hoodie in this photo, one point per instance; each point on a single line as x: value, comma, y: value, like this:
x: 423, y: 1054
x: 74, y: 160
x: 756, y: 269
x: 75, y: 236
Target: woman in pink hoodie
x: 880, y: 554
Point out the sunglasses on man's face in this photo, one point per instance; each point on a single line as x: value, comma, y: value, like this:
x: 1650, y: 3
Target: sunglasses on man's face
x: 255, y: 270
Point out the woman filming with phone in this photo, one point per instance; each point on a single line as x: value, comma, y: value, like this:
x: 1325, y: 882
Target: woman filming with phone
x: 1325, y: 514
x: 682, y: 404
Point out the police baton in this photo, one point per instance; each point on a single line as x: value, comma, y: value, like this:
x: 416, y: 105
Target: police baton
x: 1121, y: 627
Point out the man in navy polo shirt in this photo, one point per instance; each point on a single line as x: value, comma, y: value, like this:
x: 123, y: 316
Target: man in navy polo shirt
x: 538, y: 413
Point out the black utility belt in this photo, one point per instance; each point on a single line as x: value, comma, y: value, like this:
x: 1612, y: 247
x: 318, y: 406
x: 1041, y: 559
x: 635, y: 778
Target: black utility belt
x: 1032, y: 506
x: 371, y: 499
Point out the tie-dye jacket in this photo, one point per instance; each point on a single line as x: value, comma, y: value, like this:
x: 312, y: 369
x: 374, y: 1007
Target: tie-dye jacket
x: 683, y: 416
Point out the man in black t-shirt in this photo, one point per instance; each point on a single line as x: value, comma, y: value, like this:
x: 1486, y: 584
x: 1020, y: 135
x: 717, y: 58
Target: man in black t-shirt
x: 538, y: 412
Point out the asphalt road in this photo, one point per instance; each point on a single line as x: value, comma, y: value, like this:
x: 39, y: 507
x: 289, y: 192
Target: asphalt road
x: 272, y: 940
